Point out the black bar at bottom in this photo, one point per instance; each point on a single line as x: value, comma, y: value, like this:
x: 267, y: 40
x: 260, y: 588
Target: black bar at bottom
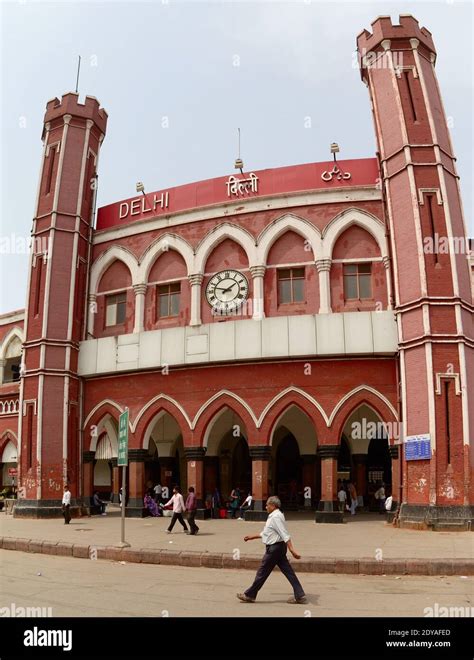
x: 304, y: 636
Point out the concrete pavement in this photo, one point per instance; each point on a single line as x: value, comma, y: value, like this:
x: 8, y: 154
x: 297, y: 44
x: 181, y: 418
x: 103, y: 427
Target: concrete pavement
x: 366, y: 544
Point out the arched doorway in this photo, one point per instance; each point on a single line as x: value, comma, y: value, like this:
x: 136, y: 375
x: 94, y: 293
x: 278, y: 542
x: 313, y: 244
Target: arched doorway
x: 365, y: 451
x: 9, y: 461
x: 166, y: 462
x: 294, y: 465
x: 227, y: 462
x: 105, y: 453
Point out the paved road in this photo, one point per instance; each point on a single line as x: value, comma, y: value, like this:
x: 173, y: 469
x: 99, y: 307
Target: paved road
x: 81, y: 587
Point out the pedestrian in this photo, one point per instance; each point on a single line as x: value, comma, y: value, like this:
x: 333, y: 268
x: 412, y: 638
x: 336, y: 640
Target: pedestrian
x: 100, y: 504
x: 120, y: 496
x: 158, y: 491
x: 277, y: 540
x: 380, y: 496
x: 191, y: 508
x: 246, y: 506
x: 234, y: 501
x: 342, y: 497
x: 216, y: 502
x: 178, y: 509
x: 353, y: 495
x: 66, y: 505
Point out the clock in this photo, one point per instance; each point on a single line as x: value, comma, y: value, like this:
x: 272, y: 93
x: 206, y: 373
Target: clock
x: 227, y: 290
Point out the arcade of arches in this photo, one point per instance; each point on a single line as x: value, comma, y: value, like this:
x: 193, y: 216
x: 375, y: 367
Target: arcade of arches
x: 294, y: 465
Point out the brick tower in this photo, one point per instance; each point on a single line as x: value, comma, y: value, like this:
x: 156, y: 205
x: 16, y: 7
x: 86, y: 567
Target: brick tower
x: 55, y: 308
x: 433, y: 299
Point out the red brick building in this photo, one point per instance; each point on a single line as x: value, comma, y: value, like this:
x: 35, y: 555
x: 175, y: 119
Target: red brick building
x: 277, y: 330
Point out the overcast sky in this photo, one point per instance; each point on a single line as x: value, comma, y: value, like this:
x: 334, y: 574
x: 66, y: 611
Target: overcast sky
x: 178, y: 78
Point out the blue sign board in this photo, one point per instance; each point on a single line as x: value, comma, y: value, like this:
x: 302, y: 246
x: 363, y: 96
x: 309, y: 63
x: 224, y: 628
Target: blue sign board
x: 417, y: 447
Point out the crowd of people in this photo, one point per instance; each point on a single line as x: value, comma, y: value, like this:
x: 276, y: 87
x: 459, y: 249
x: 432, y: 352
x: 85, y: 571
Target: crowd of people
x: 348, y: 501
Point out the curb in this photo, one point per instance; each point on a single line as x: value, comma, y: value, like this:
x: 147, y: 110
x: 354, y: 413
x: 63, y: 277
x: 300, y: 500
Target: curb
x: 195, y: 559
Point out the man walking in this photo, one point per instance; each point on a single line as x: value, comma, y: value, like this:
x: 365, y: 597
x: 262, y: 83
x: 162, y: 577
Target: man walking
x: 66, y: 504
x: 277, y: 540
x: 178, y: 509
x: 191, y: 508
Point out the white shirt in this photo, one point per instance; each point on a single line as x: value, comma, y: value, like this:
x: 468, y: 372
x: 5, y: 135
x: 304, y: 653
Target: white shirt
x: 342, y: 495
x: 248, y: 501
x: 275, y: 529
x: 157, y: 489
x: 67, y: 497
x: 178, y: 503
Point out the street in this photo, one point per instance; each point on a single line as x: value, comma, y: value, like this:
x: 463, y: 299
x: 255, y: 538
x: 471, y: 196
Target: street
x: 82, y: 587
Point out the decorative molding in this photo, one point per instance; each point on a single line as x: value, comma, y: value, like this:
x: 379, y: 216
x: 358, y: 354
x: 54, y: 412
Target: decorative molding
x: 258, y: 271
x: 260, y: 453
x: 328, y: 451
x: 196, y: 279
x: 323, y: 265
x: 456, y: 378
x: 139, y: 289
x: 422, y: 191
x: 194, y: 453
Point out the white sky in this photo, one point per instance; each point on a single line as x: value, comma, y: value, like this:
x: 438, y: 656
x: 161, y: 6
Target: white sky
x: 149, y: 60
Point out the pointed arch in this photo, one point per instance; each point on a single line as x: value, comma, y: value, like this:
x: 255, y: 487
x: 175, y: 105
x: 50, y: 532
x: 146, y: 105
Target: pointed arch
x: 292, y: 396
x: 219, y: 234
x: 161, y: 245
x: 208, y: 413
x: 346, y: 219
x: 288, y: 222
x: 17, y: 332
x: 107, y: 406
x: 151, y: 412
x: 106, y: 259
x: 362, y: 395
x: 7, y: 436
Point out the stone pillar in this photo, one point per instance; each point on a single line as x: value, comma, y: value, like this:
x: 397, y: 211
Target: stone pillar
x: 258, y: 274
x: 395, y: 456
x: 386, y: 263
x: 136, y: 481
x: 328, y: 509
x: 140, y: 291
x: 324, y: 268
x: 87, y: 476
x: 196, y: 282
x: 260, y: 456
x: 195, y: 466
x: 91, y: 314
x: 2, y: 370
x: 116, y: 482
x: 309, y: 477
x: 360, y: 473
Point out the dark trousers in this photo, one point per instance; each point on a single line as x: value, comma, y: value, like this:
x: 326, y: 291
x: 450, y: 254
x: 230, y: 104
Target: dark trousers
x: 192, y: 524
x: 66, y: 514
x: 177, y: 516
x: 275, y: 555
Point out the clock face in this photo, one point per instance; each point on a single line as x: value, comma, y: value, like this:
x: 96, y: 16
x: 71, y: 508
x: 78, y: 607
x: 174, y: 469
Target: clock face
x: 227, y: 290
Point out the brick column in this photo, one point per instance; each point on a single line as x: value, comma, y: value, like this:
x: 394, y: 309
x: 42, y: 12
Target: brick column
x: 116, y: 480
x: 136, y: 481
x: 87, y: 476
x: 395, y: 456
x: 328, y: 509
x: 309, y: 475
x: 360, y: 470
x: 260, y: 456
x: 195, y: 466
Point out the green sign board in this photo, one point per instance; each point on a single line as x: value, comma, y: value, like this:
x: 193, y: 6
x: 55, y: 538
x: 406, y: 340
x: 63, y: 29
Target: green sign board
x: 122, y: 458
